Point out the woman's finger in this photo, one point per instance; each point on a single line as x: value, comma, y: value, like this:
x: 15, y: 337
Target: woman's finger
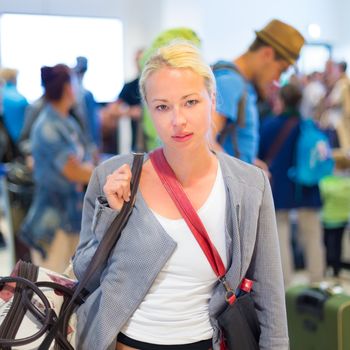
x: 126, y: 193
x: 114, y: 202
x: 117, y: 186
x: 124, y: 169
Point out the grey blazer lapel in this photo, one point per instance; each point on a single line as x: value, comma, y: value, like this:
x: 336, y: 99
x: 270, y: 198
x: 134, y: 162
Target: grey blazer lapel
x: 234, y: 227
x: 243, y: 201
x: 233, y: 246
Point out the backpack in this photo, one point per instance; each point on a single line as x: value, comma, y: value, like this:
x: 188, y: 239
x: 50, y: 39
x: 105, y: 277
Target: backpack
x: 313, y: 156
x: 230, y: 128
x: 8, y: 149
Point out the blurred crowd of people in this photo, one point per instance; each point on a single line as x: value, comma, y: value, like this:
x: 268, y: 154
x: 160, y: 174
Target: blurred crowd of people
x: 51, y: 147
x: 323, y: 210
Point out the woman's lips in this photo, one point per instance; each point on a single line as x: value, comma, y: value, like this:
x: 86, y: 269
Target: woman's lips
x: 182, y: 137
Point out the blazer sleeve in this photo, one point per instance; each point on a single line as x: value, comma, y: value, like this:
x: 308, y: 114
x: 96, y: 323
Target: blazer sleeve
x: 266, y: 270
x: 96, y: 218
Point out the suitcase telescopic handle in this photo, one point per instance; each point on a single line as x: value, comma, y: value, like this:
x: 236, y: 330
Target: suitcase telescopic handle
x: 311, y: 301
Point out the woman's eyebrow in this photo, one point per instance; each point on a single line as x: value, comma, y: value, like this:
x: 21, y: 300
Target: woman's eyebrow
x: 159, y: 100
x: 188, y: 95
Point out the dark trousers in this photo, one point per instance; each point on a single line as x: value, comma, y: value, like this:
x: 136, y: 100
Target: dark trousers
x: 333, y: 242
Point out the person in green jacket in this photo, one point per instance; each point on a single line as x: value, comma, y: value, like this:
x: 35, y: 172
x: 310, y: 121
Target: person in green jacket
x: 335, y: 192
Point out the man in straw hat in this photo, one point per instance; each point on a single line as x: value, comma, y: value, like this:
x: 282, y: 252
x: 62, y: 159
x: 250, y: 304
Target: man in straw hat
x: 239, y: 82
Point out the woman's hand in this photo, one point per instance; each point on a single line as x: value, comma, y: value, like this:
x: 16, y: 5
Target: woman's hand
x: 117, y: 187
x: 76, y: 171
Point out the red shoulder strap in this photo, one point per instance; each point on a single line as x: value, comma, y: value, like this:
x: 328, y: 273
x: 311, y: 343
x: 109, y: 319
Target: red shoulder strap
x: 183, y: 204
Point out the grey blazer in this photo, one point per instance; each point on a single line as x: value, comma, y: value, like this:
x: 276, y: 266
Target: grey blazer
x: 144, y: 248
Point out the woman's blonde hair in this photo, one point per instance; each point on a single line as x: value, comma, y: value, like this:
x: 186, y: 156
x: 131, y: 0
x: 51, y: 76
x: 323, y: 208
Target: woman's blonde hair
x: 178, y: 54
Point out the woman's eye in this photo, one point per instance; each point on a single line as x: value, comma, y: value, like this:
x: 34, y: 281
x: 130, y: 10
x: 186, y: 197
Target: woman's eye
x: 191, y: 102
x: 161, y: 107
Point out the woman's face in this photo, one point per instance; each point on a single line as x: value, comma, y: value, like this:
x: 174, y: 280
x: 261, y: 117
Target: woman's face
x: 180, y: 106
x: 70, y: 93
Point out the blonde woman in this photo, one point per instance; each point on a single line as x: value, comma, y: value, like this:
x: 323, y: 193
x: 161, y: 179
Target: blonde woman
x: 158, y: 290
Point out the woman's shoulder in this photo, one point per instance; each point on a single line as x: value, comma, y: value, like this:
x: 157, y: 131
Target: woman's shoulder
x: 47, y: 128
x: 242, y: 173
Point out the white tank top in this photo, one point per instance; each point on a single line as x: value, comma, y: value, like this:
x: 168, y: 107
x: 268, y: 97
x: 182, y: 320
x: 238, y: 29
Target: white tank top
x: 175, y: 310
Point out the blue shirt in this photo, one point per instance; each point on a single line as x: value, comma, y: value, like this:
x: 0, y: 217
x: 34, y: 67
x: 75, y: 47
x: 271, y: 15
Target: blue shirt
x: 230, y: 88
x: 14, y: 105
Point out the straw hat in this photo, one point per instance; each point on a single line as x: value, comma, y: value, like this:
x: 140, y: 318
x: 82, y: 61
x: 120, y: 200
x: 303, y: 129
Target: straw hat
x: 285, y: 39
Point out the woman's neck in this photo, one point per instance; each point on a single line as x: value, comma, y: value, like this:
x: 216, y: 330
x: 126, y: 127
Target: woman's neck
x: 190, y: 166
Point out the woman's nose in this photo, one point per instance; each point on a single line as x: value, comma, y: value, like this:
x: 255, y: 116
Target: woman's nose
x: 178, y: 117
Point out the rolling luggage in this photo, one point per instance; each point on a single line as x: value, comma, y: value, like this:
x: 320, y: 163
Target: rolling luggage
x: 318, y: 318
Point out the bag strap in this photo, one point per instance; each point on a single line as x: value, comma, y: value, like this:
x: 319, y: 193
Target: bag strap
x: 183, y: 204
x: 47, y: 319
x: 104, y: 249
x: 280, y: 139
x: 112, y: 235
x: 230, y: 128
x: 242, y: 102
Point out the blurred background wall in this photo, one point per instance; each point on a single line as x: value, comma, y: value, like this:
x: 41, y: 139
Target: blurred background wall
x: 226, y: 26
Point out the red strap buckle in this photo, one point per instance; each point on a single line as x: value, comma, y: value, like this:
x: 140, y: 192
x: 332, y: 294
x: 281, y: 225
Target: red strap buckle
x: 230, y: 297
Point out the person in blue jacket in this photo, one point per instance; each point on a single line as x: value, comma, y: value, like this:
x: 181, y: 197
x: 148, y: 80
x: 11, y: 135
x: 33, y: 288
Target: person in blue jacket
x: 62, y: 166
x: 278, y: 140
